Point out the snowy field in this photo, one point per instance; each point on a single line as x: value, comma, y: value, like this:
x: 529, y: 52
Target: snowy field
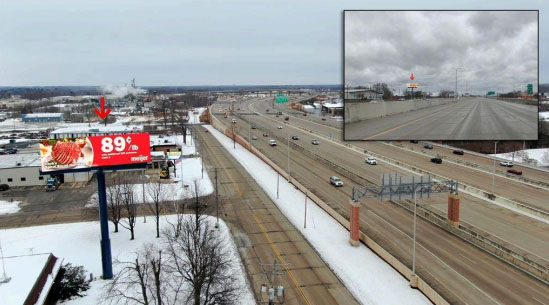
x: 540, y: 155
x: 192, y: 170
x: 370, y: 279
x: 9, y: 207
x: 544, y: 115
x: 61, y: 240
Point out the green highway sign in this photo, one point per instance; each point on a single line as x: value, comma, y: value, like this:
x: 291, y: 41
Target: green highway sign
x: 530, y: 89
x: 491, y: 93
x: 281, y: 99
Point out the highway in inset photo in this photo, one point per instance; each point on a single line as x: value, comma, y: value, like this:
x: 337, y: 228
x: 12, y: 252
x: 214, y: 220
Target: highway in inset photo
x: 469, y: 118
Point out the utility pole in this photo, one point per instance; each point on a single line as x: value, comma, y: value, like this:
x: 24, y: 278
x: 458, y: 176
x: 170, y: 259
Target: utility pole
x: 272, y: 289
x: 456, y: 81
x: 494, y: 170
x: 288, y: 139
x: 216, y: 201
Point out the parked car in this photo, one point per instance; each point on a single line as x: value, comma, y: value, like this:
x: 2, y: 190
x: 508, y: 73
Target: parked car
x: 295, y: 137
x: 436, y: 160
x: 506, y: 163
x: 279, y: 127
x: 3, y: 152
x: 371, y: 161
x: 458, y: 152
x: 254, y: 138
x: 428, y: 146
x: 253, y: 126
x: 4, y: 187
x: 414, y: 141
x: 515, y: 171
x: 272, y: 142
x: 315, y: 142
x: 335, y: 181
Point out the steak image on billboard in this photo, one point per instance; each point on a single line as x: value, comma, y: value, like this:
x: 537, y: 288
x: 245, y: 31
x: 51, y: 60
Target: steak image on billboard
x: 94, y: 151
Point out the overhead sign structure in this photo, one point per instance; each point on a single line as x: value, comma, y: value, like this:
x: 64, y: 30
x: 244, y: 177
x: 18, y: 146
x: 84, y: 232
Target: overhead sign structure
x: 414, y: 85
x: 94, y: 152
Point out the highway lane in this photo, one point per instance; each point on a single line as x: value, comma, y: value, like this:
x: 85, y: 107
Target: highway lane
x: 262, y: 233
x: 469, y: 119
x: 515, y: 190
x: 448, y: 258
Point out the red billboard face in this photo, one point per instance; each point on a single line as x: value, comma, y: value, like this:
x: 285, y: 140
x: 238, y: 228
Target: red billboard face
x: 95, y: 151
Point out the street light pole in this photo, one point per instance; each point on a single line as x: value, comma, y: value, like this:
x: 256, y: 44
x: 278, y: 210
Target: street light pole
x: 288, y: 139
x: 494, y: 170
x: 414, y: 251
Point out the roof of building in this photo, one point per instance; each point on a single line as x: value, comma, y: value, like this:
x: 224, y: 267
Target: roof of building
x: 361, y: 90
x: 162, y: 140
x: 19, y: 160
x: 42, y: 115
x: 333, y: 105
x: 99, y: 129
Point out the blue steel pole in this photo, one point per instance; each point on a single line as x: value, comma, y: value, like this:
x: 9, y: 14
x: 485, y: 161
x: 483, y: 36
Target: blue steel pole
x: 106, y: 257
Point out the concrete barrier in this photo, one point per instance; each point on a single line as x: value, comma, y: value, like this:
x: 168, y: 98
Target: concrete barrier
x: 355, y: 112
x: 425, y: 288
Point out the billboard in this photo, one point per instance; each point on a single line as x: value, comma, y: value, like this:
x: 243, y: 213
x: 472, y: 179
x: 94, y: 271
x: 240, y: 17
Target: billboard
x: 94, y: 151
x: 413, y: 85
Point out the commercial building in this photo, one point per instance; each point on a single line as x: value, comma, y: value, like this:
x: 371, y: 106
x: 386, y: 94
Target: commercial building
x: 334, y: 108
x: 84, y: 131
x: 362, y: 94
x: 42, y: 117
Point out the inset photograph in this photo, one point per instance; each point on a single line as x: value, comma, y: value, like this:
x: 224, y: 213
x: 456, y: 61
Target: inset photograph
x: 441, y: 75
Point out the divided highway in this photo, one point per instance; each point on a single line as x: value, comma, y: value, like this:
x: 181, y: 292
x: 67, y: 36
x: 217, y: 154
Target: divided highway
x: 459, y: 271
x: 469, y: 119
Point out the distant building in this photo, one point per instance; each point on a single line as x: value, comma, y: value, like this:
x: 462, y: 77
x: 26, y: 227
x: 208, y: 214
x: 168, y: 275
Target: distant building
x: 334, y: 108
x: 362, y: 94
x: 84, y: 131
x: 42, y: 117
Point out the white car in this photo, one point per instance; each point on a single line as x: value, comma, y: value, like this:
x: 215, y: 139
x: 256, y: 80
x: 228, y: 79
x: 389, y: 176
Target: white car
x: 272, y: 142
x: 279, y: 127
x: 234, y: 121
x: 506, y: 163
x: 371, y: 161
x: 335, y: 181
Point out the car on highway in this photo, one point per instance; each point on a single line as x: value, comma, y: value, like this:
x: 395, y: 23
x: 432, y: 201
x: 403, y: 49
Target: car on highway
x: 234, y: 121
x: 304, y: 114
x: 11, y: 150
x: 254, y: 137
x: 335, y: 181
x: 253, y: 126
x: 225, y: 116
x: 428, y: 146
x: 4, y: 187
x: 272, y: 142
x: 295, y: 137
x: 279, y: 127
x: 324, y: 118
x: 265, y: 134
x: 315, y: 142
x: 436, y: 160
x: 267, y: 110
x: 414, y: 141
x: 506, y: 163
x: 371, y: 161
x: 458, y: 152
x: 515, y: 171
x: 280, y: 113
x: 287, y: 118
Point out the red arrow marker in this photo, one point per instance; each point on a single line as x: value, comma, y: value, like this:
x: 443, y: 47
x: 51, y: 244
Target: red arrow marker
x: 102, y: 114
x: 412, y: 76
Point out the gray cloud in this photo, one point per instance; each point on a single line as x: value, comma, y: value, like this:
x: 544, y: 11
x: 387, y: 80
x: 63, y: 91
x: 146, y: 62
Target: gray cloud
x: 496, y: 50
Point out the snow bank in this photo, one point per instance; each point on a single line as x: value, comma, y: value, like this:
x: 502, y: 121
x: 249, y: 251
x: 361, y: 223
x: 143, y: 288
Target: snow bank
x: 61, y: 240
x: 544, y: 115
x: 539, y: 155
x: 368, y: 277
x: 9, y: 207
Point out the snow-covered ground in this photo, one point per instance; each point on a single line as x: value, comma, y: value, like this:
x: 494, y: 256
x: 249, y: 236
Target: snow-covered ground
x: 540, y: 155
x: 9, y: 207
x: 192, y: 170
x: 61, y: 240
x: 368, y: 277
x: 188, y: 148
x: 544, y: 115
x: 194, y: 118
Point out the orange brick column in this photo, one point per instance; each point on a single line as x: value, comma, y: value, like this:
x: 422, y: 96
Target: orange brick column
x: 354, y: 223
x: 453, y: 209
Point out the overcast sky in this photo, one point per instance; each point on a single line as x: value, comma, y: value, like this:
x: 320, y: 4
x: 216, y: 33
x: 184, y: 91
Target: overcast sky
x: 186, y: 42
x: 496, y: 50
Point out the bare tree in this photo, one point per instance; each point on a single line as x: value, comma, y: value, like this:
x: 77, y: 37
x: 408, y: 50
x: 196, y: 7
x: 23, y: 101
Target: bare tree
x: 114, y: 201
x: 129, y: 207
x: 157, y: 192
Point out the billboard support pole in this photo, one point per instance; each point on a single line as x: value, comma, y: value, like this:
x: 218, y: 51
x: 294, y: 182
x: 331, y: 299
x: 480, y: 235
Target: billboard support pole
x: 106, y: 257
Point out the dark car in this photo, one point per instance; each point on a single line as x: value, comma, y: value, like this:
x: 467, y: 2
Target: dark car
x: 458, y: 152
x: 304, y: 114
x: 414, y: 141
x: 4, y: 187
x: 295, y: 137
x: 436, y: 160
x: 324, y: 118
x: 265, y: 134
x: 515, y: 171
x: 428, y: 146
x: 287, y: 118
x: 253, y: 126
x: 280, y: 113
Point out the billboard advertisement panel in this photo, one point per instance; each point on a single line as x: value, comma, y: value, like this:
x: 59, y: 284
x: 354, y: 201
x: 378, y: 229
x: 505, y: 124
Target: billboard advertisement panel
x: 94, y: 151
